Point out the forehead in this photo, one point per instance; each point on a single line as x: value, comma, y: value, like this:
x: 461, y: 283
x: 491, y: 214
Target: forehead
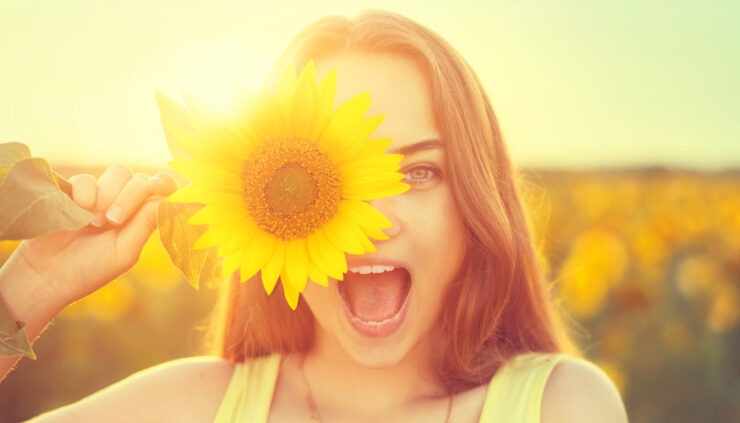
x: 398, y: 90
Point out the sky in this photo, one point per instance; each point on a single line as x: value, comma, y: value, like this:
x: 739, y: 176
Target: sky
x: 576, y: 84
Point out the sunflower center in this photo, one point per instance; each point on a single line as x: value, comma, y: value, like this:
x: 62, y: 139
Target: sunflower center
x: 291, y: 188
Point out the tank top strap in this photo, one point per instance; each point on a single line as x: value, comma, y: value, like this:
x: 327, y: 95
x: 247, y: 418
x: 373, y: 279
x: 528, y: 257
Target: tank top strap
x: 515, y: 392
x: 249, y: 394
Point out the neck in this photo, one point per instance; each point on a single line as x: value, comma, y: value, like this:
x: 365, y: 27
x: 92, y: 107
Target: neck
x: 338, y: 380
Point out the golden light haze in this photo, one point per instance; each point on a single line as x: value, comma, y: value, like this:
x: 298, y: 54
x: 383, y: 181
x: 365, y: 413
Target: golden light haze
x: 575, y: 84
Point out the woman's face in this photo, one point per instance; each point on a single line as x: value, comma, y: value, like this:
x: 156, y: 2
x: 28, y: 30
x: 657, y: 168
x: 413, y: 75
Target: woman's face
x: 427, y: 234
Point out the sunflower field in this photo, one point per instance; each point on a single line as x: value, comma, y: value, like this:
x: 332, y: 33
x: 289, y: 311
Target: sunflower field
x: 645, y: 265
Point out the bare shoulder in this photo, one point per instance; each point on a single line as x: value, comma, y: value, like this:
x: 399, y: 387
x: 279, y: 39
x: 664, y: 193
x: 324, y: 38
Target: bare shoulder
x: 187, y: 389
x: 579, y: 391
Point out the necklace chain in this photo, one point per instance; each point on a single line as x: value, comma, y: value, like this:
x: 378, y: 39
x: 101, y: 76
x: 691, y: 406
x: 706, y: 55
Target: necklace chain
x: 315, y: 415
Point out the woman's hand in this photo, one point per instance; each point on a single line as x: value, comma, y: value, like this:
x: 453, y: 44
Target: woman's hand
x: 73, y: 264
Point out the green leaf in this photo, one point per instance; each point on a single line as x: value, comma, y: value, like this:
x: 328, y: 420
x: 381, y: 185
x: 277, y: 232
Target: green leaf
x: 13, y: 340
x: 172, y: 113
x: 10, y: 154
x: 178, y: 238
x: 32, y: 204
x: 13, y: 152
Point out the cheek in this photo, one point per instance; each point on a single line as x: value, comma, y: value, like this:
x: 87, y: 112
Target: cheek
x: 320, y: 300
x: 439, y: 241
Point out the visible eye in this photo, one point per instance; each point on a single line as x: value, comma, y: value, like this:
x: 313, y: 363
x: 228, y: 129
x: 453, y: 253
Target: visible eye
x: 421, y: 174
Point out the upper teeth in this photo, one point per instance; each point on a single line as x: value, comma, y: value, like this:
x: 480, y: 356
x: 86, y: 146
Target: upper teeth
x: 378, y: 268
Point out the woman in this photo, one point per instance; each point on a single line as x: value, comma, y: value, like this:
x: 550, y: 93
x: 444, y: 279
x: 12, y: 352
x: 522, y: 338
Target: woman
x: 467, y: 336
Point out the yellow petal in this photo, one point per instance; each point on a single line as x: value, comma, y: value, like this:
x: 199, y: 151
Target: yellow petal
x: 304, y: 111
x: 370, y: 179
x: 232, y: 237
x: 266, y: 120
x: 286, y: 90
x: 213, y: 213
x: 296, y: 263
x: 355, y: 232
x: 343, y: 119
x: 291, y: 293
x: 317, y: 275
x: 174, y: 114
x: 366, y: 217
x: 213, y: 172
x: 349, y: 144
x: 341, y: 235
x: 213, y: 126
x: 273, y: 267
x: 206, y: 240
x: 314, y: 244
x: 362, y: 212
x: 375, y: 233
x: 325, y: 92
x: 374, y: 191
x: 231, y: 263
x: 257, y: 254
x: 375, y: 147
x: 363, y: 168
x: 188, y: 194
x: 331, y: 253
x: 367, y: 245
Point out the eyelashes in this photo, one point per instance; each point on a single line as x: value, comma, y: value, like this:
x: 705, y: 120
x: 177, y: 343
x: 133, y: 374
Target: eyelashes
x: 422, y: 174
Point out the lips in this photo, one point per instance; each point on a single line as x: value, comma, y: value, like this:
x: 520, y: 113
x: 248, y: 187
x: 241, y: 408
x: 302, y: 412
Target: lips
x: 376, y: 303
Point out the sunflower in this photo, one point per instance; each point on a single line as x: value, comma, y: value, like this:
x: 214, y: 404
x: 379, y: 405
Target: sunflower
x: 285, y: 180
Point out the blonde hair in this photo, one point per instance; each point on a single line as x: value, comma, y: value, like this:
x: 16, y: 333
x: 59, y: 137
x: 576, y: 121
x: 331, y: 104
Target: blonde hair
x: 499, y: 305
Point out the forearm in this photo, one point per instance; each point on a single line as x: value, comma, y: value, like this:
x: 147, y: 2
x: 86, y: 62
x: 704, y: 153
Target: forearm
x: 27, y: 300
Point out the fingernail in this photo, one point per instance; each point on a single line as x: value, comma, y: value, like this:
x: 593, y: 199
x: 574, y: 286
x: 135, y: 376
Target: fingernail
x: 98, y: 220
x: 156, y: 180
x: 114, y: 214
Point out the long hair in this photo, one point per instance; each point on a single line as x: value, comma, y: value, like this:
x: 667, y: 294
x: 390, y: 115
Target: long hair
x: 499, y: 306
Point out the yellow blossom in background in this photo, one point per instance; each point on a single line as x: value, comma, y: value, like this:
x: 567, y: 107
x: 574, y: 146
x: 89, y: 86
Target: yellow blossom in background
x: 725, y: 310
x: 154, y: 266
x: 699, y: 275
x: 596, y: 262
x: 285, y: 180
x: 108, y: 303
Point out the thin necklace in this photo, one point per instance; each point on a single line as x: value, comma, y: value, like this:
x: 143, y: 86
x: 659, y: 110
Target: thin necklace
x: 315, y: 415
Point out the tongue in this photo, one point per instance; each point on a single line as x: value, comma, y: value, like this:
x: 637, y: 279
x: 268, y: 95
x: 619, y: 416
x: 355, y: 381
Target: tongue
x: 375, y: 297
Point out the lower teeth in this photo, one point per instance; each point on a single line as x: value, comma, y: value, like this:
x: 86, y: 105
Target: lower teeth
x: 382, y: 322
x: 372, y: 323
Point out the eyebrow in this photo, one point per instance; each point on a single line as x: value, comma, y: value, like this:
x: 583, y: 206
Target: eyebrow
x: 407, y: 150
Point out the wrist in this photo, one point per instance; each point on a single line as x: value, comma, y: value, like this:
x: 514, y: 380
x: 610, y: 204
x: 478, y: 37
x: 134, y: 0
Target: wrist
x: 26, y: 294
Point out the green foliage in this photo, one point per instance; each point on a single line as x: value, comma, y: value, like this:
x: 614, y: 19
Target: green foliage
x: 13, y: 340
x: 178, y: 238
x: 34, y: 205
x: 172, y: 113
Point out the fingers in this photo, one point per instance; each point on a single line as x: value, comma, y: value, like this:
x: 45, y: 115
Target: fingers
x: 129, y: 199
x: 109, y: 185
x: 162, y: 184
x: 118, y: 193
x: 84, y: 190
x: 144, y: 221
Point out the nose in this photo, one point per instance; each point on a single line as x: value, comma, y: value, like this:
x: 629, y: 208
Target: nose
x: 389, y: 207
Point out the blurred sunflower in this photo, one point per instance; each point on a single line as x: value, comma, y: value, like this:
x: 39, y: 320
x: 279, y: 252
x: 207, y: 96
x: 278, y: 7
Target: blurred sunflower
x: 284, y: 182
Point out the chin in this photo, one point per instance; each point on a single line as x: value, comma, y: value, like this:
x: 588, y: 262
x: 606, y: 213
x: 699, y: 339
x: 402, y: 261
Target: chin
x: 376, y: 353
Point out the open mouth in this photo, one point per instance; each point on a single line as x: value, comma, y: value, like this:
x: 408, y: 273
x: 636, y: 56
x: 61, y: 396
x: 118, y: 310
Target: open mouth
x: 376, y: 302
